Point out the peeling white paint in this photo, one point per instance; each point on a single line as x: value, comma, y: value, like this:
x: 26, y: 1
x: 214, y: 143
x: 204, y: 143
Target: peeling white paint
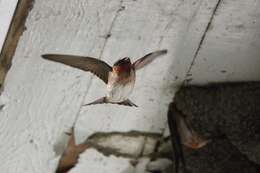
x: 92, y: 160
x: 126, y: 145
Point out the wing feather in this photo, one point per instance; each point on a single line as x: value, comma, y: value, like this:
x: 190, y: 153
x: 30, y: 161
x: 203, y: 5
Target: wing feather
x: 93, y: 65
x: 148, y: 59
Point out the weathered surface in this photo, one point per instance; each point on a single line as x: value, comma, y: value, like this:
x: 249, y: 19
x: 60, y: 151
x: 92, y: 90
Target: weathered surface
x: 43, y: 99
x: 134, y: 31
x: 15, y: 31
x: 228, y: 114
x: 230, y: 51
x: 89, y: 159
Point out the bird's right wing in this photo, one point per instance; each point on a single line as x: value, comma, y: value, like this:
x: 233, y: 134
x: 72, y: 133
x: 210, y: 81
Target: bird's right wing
x: 93, y: 65
x: 140, y: 63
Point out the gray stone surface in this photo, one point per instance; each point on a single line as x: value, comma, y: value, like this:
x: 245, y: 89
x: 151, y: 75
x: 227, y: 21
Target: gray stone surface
x: 229, y: 114
x: 219, y: 156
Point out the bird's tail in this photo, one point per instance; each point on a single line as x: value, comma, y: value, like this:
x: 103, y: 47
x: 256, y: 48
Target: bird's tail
x: 98, y: 101
x: 104, y: 100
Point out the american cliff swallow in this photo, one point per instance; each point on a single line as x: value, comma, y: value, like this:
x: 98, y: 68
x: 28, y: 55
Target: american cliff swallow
x: 182, y: 134
x: 120, y: 78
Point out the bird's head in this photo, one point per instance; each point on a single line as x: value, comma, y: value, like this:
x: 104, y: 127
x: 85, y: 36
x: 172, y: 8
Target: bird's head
x: 122, y: 65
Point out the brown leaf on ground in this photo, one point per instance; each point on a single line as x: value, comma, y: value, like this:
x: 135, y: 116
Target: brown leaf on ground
x: 71, y: 154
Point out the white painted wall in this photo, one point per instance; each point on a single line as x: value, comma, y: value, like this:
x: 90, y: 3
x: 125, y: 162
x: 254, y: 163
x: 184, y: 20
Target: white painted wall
x: 43, y: 99
x: 7, y: 8
x: 230, y: 51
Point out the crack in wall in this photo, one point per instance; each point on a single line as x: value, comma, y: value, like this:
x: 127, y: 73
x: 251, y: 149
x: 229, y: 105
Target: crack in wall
x: 199, y: 47
x: 201, y: 42
x: 108, y: 35
x: 162, y: 151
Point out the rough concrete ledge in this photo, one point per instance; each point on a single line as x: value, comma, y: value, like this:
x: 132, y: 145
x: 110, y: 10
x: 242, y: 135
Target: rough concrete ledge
x: 229, y: 114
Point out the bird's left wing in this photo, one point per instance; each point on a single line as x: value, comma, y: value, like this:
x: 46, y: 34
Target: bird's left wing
x: 93, y: 65
x: 148, y: 59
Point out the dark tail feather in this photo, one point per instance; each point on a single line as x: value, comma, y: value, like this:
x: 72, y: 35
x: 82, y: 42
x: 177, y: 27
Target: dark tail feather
x: 98, y: 101
x: 127, y: 103
x: 104, y: 100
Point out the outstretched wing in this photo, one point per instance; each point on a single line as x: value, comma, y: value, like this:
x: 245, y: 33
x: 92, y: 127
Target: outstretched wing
x: 148, y: 58
x: 93, y: 65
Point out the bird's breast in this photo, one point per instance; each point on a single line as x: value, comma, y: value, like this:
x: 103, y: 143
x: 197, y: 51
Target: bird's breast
x: 120, y: 88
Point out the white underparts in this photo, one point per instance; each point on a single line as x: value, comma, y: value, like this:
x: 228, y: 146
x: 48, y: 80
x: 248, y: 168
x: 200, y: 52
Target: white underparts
x: 118, y: 92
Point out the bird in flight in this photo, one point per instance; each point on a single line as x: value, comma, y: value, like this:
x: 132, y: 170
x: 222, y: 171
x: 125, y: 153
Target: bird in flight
x: 120, y: 78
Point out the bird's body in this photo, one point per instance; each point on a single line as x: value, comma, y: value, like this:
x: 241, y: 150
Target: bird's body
x: 120, y: 88
x: 182, y: 133
x: 120, y: 78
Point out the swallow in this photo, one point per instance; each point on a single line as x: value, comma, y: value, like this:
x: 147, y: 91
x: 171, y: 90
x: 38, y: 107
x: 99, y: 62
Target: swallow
x: 119, y: 79
x: 189, y: 137
x: 182, y: 133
